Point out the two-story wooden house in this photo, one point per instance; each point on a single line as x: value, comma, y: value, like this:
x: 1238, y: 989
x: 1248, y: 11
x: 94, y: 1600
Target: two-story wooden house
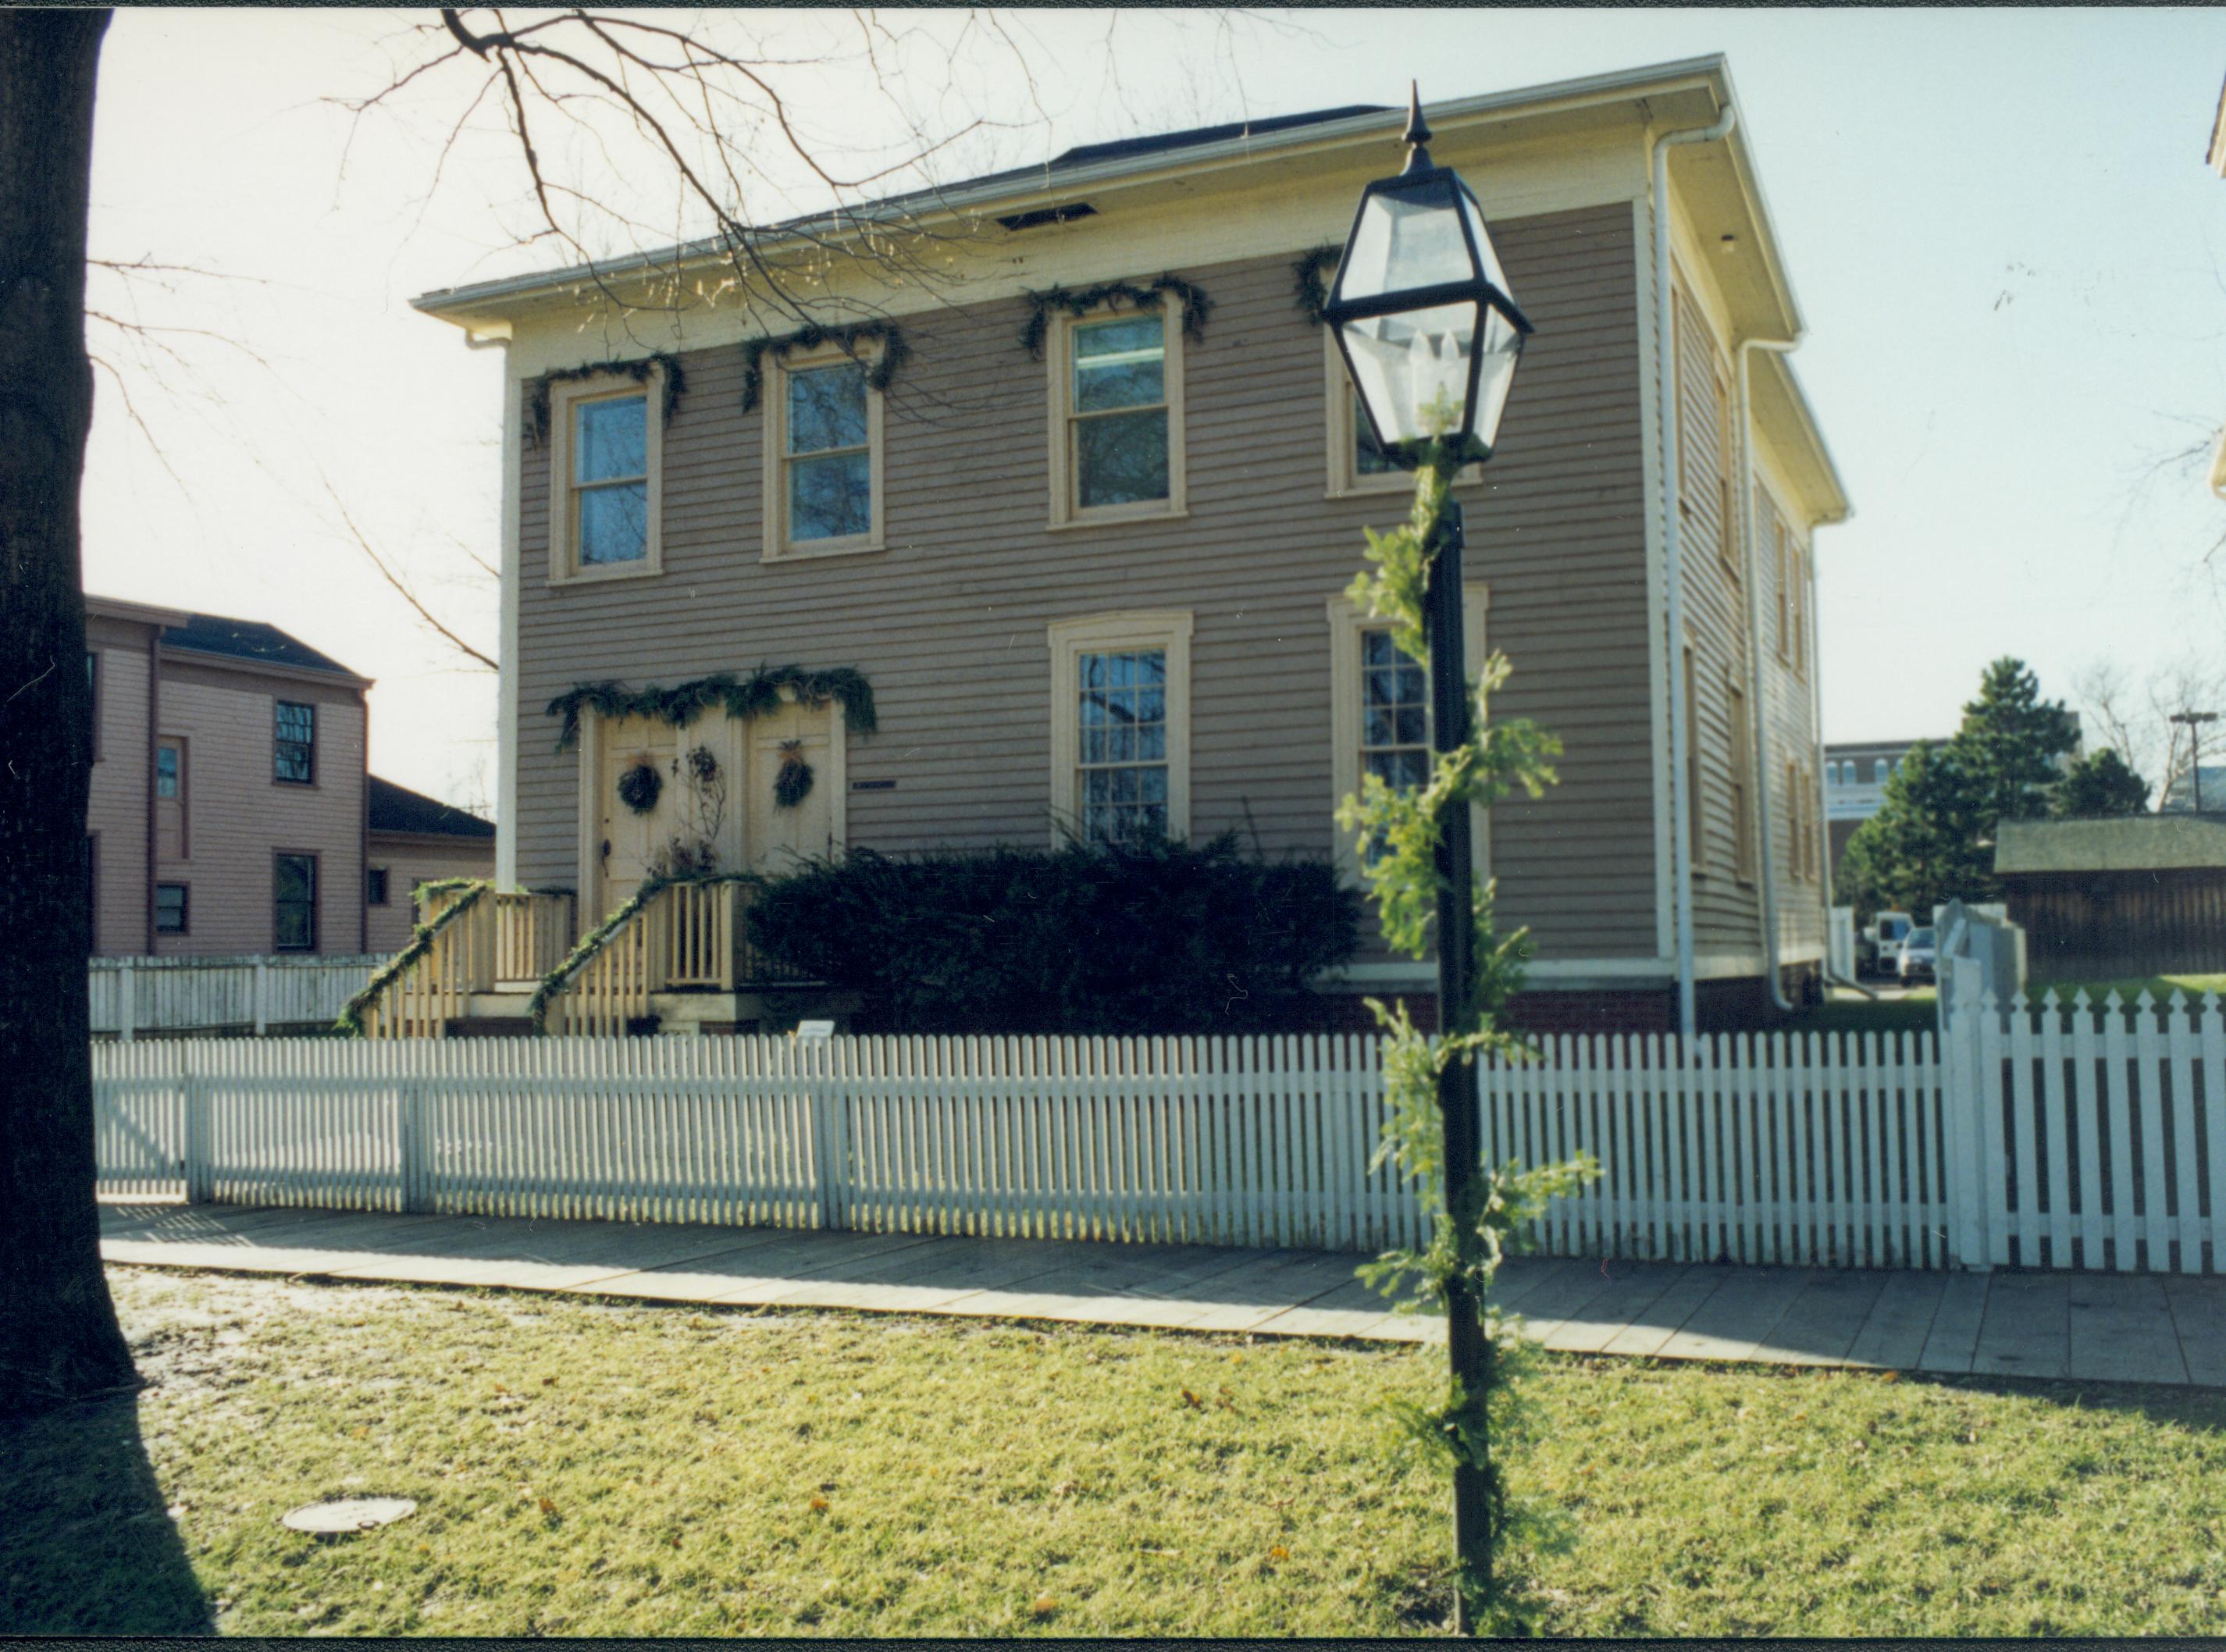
x: 1091, y: 564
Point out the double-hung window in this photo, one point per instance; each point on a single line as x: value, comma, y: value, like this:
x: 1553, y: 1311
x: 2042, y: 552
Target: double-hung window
x: 823, y: 445
x: 294, y: 902
x: 1121, y: 726
x: 1380, y: 711
x: 606, y: 459
x: 171, y: 901
x: 1117, y: 412
x: 294, y: 743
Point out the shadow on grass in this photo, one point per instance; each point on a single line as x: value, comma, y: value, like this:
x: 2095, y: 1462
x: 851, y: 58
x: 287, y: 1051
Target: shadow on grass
x: 86, y: 1544
x: 2198, y: 1410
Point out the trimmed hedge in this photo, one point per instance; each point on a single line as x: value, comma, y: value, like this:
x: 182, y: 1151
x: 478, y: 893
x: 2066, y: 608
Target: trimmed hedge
x: 1149, y: 938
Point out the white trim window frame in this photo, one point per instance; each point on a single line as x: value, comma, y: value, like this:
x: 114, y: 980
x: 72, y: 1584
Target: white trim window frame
x: 1349, y: 630
x: 612, y: 478
x: 1069, y: 417
x: 1348, y: 428
x: 1123, y: 738
x: 840, y: 449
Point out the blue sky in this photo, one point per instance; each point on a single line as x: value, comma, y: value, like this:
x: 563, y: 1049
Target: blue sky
x: 2010, y: 255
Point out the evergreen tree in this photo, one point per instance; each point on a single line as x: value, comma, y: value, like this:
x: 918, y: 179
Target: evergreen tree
x: 2010, y: 746
x: 2100, y: 787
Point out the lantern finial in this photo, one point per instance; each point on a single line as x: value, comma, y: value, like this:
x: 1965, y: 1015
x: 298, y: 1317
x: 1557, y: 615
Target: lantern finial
x: 1418, y: 130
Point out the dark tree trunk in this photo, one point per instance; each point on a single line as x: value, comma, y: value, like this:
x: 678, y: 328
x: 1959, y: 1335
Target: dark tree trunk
x: 59, y: 1339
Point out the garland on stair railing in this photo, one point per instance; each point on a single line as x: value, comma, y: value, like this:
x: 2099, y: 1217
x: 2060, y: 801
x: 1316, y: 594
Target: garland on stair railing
x: 1078, y: 302
x: 349, y: 1023
x: 1312, y: 275
x: 743, y: 698
x: 537, y: 392
x: 881, y: 371
x: 536, y: 1007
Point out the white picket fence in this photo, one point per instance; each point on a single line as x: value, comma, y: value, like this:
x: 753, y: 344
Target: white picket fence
x: 1816, y: 1150
x: 2051, y: 1136
x: 1238, y: 1141
x: 132, y: 995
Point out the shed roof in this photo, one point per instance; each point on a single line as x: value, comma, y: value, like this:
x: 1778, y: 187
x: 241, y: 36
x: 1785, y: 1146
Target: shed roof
x: 398, y: 809
x: 2135, y: 843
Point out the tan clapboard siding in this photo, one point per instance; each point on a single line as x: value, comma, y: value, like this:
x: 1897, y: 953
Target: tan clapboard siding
x: 239, y: 816
x: 116, y: 806
x: 949, y: 622
x: 413, y: 858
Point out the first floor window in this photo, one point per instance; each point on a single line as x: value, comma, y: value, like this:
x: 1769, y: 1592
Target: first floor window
x: 1695, y: 837
x: 1123, y: 725
x: 170, y: 905
x: 294, y: 903
x: 1741, y: 783
x: 169, y: 769
x: 294, y: 750
x: 1394, y: 722
x: 375, y: 887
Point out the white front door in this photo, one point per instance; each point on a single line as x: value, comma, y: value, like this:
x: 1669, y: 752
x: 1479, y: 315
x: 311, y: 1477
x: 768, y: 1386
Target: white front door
x: 783, y: 827
x: 628, y: 839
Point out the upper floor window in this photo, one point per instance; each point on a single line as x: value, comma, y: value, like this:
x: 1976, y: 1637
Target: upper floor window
x: 607, y: 455
x: 1117, y: 441
x: 171, y: 908
x: 1120, y: 726
x: 169, y: 769
x: 824, y: 448
x: 294, y: 758
x: 374, y: 886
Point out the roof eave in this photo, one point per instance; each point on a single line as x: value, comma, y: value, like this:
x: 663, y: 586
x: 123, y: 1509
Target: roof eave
x: 464, y: 306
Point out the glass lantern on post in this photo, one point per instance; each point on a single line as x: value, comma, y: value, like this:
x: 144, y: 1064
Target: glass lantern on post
x: 1430, y: 337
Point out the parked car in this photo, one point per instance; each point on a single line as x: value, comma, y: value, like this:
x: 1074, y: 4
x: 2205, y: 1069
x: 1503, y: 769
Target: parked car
x: 1878, y: 949
x: 1920, y: 954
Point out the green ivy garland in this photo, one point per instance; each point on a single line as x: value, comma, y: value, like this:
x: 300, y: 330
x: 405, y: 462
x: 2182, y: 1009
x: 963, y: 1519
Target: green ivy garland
x: 881, y: 372
x: 536, y: 1007
x: 349, y: 1022
x: 1311, y: 274
x: 536, y: 394
x: 1467, y: 1244
x: 1080, y: 301
x: 743, y: 698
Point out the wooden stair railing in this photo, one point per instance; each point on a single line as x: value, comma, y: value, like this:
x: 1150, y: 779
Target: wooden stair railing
x: 431, y: 990
x: 533, y: 931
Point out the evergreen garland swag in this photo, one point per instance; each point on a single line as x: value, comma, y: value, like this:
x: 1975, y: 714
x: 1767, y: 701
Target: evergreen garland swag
x: 881, y: 372
x: 349, y: 1023
x: 745, y: 698
x: 537, y: 392
x: 1310, y: 275
x: 1078, y: 302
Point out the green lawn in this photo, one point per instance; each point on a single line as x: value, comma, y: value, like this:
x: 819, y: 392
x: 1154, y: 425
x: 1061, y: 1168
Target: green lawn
x: 2157, y: 987
x: 594, y: 1468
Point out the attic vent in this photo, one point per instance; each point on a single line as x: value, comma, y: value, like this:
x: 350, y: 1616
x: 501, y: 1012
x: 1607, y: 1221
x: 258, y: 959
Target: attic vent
x: 1044, y: 215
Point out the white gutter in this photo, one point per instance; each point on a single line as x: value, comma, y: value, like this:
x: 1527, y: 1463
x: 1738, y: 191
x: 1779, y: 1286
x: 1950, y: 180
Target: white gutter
x: 1673, y: 570
x: 1756, y: 713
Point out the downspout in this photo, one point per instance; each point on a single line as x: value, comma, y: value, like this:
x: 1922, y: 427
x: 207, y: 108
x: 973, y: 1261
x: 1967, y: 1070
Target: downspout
x: 154, y: 744
x: 1816, y: 722
x: 1760, y: 801
x: 1673, y: 568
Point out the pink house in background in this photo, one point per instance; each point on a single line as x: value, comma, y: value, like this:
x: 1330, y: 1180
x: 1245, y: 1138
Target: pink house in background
x: 230, y: 811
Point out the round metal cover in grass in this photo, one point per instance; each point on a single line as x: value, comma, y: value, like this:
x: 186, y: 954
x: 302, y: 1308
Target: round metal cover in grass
x: 350, y: 1514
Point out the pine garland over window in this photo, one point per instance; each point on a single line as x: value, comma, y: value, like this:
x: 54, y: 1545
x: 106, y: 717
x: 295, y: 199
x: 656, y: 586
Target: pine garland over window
x: 881, y: 371
x: 744, y: 698
x: 1312, y: 276
x: 1080, y: 301
x: 537, y: 392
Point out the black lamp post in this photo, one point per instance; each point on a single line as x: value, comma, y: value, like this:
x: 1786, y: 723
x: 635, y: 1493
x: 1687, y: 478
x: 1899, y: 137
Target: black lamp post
x: 1430, y: 337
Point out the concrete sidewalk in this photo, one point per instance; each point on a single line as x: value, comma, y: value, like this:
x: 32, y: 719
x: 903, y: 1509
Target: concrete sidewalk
x: 2115, y: 1328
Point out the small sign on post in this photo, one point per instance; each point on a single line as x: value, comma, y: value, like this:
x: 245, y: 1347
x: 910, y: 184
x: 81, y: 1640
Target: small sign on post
x: 814, y: 1031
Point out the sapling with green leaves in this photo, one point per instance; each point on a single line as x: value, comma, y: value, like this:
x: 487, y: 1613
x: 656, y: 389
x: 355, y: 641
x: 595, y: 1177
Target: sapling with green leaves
x: 1400, y: 829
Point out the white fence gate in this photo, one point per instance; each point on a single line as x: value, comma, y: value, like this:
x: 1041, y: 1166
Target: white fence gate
x: 132, y: 995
